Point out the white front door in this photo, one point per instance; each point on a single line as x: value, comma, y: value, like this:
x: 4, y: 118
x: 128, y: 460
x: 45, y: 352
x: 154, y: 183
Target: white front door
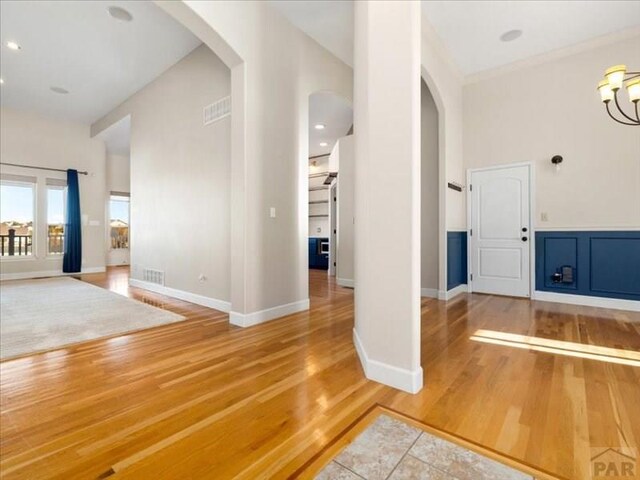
x: 500, y: 233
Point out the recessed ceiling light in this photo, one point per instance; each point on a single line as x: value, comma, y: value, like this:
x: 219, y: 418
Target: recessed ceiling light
x: 511, y: 35
x: 13, y: 45
x: 323, y: 144
x: 60, y: 90
x: 120, y: 14
x: 1, y: 81
x: 319, y: 126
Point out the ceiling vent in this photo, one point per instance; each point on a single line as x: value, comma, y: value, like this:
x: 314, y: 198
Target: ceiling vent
x: 217, y: 110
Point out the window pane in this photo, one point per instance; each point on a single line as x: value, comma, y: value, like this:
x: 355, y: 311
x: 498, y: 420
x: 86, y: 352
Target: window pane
x: 55, y: 220
x: 119, y: 220
x: 16, y: 219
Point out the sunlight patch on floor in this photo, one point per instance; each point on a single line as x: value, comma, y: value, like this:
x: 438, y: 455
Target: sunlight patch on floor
x: 559, y: 347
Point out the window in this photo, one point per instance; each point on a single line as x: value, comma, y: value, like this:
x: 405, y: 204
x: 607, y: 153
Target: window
x: 56, y: 205
x: 17, y: 213
x: 119, y: 220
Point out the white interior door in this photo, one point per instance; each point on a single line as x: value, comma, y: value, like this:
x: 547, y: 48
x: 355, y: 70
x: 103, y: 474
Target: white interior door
x: 500, y: 233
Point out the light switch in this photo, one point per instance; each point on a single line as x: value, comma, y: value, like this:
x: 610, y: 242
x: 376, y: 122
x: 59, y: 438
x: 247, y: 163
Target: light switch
x: 544, y: 217
x: 272, y: 212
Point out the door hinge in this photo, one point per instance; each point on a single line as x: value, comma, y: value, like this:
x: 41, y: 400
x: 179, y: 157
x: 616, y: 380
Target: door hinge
x: 470, y: 188
x: 471, y: 232
x: 471, y: 277
x: 334, y: 264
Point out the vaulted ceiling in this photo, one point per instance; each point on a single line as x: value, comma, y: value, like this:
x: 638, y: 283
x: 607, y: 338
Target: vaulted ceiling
x: 471, y: 30
x: 79, y: 47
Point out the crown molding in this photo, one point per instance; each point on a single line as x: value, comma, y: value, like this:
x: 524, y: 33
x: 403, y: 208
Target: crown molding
x: 577, y: 48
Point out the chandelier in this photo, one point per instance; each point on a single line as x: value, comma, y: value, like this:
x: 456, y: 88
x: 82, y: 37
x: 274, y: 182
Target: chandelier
x: 608, y: 88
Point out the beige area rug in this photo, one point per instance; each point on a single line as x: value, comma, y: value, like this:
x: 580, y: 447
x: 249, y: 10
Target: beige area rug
x: 39, y: 315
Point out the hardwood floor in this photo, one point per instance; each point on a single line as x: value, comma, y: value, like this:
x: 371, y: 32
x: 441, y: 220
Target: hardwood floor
x: 203, y: 399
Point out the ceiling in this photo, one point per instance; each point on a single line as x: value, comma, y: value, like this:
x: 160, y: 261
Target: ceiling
x: 471, y: 29
x: 78, y: 46
x: 332, y: 111
x: 328, y: 22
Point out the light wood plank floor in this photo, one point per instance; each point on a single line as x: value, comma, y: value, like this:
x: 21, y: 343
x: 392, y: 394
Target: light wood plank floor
x: 203, y: 399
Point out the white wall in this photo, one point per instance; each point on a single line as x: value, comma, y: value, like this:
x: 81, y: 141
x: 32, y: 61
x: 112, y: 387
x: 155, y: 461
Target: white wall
x: 275, y: 68
x: 118, y: 173
x: 30, y: 139
x: 118, y: 180
x: 429, y: 180
x: 534, y: 113
x: 346, y: 182
x: 180, y: 177
x: 445, y: 84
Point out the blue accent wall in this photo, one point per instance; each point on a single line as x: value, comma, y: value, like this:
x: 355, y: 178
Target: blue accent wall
x: 456, y: 259
x: 605, y: 264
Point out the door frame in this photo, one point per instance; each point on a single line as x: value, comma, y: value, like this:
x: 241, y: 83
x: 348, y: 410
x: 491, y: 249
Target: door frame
x: 333, y: 227
x: 532, y: 220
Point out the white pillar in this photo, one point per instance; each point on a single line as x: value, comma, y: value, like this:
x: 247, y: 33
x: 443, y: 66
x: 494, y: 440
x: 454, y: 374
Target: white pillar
x: 387, y: 191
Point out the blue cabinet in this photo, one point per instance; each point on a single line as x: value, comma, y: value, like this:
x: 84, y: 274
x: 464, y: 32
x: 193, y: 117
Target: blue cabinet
x: 317, y: 259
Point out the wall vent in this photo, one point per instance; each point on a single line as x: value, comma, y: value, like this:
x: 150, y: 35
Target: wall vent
x: 153, y: 276
x: 217, y: 110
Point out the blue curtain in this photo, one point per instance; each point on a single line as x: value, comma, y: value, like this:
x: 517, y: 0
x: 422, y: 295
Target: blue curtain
x: 72, y: 261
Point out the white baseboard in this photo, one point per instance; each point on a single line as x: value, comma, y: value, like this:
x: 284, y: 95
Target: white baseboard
x: 589, y: 301
x: 400, y: 378
x: 255, y: 318
x: 345, y: 282
x: 221, y: 305
x: 48, y: 273
x: 429, y: 292
x: 449, y: 294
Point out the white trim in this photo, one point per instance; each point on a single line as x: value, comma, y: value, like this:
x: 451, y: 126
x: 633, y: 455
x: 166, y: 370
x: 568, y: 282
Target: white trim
x: 532, y: 218
x: 214, y: 303
x: 255, y: 318
x: 455, y: 291
x: 429, y: 292
x: 587, y: 229
x: 48, y: 273
x: 587, y: 45
x: 407, y: 380
x: 587, y: 300
x: 345, y: 282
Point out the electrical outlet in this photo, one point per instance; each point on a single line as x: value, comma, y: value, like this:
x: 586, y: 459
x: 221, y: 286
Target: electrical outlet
x: 272, y: 212
x: 202, y: 277
x: 544, y: 217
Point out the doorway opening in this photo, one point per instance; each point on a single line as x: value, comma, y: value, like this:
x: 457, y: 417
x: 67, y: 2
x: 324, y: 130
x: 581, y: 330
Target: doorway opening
x: 117, y: 139
x: 330, y: 125
x: 430, y: 194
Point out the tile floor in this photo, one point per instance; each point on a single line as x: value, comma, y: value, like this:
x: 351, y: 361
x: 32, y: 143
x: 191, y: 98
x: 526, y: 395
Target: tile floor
x: 394, y: 450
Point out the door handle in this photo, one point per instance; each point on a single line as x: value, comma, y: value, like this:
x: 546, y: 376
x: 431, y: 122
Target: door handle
x: 524, y: 229
x: 524, y: 239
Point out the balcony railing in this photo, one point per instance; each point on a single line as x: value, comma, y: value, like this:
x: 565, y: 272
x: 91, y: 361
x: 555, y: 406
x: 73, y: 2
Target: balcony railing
x: 56, y: 244
x: 15, y: 245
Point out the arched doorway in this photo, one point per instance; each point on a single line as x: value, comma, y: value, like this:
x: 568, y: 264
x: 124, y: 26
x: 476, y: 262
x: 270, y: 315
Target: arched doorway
x: 329, y: 194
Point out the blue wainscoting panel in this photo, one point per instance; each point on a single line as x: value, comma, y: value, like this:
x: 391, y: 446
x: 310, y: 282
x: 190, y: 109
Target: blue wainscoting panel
x: 456, y: 259
x: 605, y: 264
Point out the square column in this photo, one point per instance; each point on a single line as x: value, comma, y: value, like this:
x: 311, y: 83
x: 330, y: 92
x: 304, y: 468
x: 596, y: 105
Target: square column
x: 387, y: 191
